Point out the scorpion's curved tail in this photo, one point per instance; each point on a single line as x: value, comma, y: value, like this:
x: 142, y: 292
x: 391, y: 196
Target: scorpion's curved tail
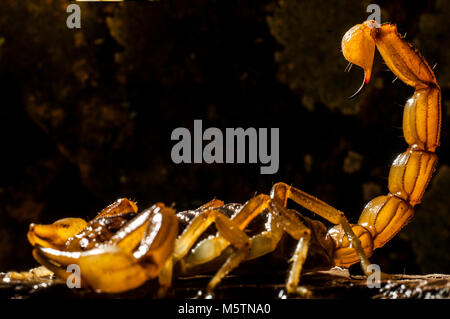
x: 411, y: 171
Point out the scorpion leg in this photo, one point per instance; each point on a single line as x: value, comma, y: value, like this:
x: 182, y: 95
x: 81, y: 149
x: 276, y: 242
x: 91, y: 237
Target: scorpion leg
x: 282, y: 192
x: 230, y: 233
x: 166, y: 274
x: 300, y: 232
x: 289, y: 223
x: 212, y: 247
x: 231, y: 263
x: 281, y: 220
x: 266, y: 241
x: 165, y: 278
x: 263, y: 243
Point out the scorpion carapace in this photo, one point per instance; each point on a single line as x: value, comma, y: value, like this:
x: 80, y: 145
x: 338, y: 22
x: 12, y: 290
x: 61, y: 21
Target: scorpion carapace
x: 120, y: 249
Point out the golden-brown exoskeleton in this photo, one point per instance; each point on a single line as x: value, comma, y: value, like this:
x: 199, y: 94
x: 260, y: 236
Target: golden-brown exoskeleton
x: 120, y: 249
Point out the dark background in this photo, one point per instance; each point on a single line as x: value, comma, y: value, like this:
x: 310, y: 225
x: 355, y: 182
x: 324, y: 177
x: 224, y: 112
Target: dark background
x: 86, y: 115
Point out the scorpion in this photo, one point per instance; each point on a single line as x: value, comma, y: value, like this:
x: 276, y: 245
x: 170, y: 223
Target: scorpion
x: 121, y: 248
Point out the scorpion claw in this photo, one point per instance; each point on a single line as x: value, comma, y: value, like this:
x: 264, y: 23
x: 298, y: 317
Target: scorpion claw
x: 55, y: 235
x: 133, y: 255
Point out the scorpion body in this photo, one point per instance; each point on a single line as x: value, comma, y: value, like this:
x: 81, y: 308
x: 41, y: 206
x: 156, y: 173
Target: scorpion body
x: 120, y: 249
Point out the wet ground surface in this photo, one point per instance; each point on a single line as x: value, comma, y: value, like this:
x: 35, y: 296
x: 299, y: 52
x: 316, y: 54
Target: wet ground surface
x: 333, y: 284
